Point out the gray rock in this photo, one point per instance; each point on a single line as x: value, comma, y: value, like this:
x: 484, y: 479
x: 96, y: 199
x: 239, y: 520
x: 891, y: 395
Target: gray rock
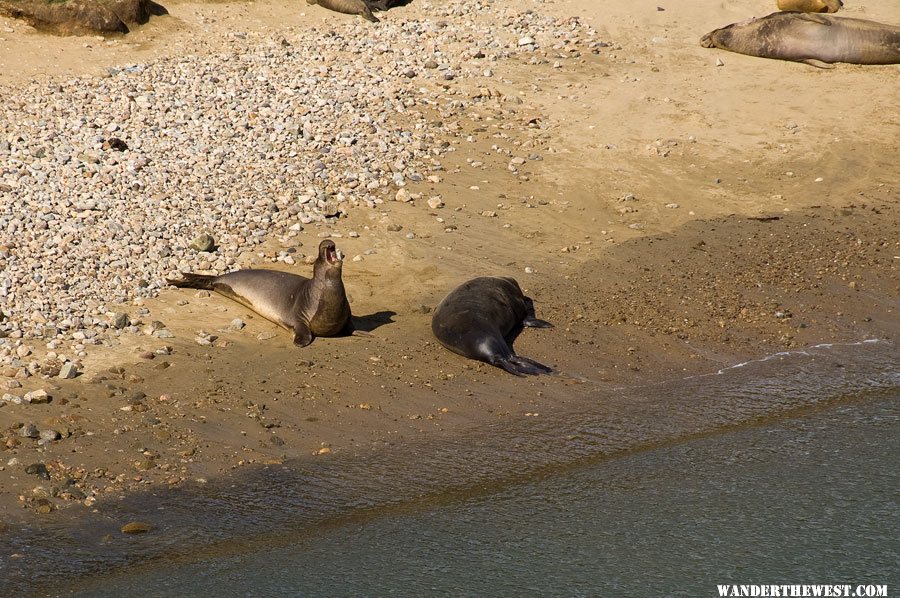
x: 68, y: 371
x: 29, y: 431
x: 204, y: 243
x: 50, y: 435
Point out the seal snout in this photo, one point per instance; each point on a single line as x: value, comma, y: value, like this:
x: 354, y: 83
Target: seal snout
x: 329, y: 252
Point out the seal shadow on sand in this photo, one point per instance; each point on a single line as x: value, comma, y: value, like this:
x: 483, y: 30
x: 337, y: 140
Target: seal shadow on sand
x: 373, y: 321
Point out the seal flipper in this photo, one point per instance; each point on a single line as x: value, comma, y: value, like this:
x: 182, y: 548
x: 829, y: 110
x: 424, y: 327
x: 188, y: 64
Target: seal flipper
x: 817, y: 63
x: 302, y: 335
x: 189, y: 280
x: 522, y: 366
x: 532, y: 322
x: 815, y: 18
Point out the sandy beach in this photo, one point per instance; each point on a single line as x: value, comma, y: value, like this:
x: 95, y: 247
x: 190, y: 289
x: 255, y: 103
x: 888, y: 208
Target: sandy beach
x: 671, y: 209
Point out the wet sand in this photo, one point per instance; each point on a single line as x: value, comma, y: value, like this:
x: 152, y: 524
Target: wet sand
x: 758, y: 256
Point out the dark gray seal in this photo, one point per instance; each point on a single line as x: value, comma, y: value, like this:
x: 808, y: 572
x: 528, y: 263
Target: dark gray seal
x: 479, y: 318
x: 309, y: 307
x: 816, y: 39
x: 348, y: 7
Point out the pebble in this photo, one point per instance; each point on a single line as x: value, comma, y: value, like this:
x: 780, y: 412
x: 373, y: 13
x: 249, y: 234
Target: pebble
x: 11, y: 398
x: 37, y: 397
x: 435, y: 202
x: 38, y: 469
x: 29, y: 431
x: 69, y: 370
x: 203, y: 242
x: 49, y: 435
x: 136, y: 527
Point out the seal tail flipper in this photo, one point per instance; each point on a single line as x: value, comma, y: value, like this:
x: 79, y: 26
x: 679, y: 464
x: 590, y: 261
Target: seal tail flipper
x: 817, y: 63
x: 189, y: 280
x: 532, y: 322
x: 530, y: 366
x: 522, y: 366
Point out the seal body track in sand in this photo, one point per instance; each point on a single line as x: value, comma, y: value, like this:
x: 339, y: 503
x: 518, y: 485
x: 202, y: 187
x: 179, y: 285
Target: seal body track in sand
x: 816, y: 39
x: 477, y: 319
x: 309, y: 307
x: 348, y: 7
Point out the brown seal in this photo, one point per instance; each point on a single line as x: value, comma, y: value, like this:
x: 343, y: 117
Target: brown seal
x: 815, y: 39
x: 810, y: 5
x: 308, y: 307
x: 479, y: 318
x: 348, y: 7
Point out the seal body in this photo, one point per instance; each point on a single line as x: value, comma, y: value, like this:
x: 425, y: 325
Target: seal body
x: 478, y: 319
x: 810, y: 38
x: 348, y: 7
x: 811, y: 5
x: 308, y: 307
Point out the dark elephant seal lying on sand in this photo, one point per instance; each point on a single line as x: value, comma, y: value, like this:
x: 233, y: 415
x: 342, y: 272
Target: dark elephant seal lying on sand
x: 477, y: 319
x: 815, y: 39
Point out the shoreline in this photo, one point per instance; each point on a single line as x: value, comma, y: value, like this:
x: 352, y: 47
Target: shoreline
x: 638, y: 290
x: 242, y: 511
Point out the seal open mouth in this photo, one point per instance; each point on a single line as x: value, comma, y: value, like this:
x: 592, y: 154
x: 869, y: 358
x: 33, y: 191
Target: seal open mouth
x: 333, y: 255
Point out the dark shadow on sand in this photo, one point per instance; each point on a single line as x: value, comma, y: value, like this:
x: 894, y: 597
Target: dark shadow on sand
x: 373, y: 321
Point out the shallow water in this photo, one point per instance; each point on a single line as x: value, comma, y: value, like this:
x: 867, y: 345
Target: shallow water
x: 646, y: 491
x: 807, y: 500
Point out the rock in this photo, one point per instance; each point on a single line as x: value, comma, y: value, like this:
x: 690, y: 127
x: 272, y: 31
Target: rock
x: 38, y: 469
x: 435, y: 202
x: 136, y: 527
x: 237, y: 324
x: 69, y: 370
x: 394, y: 228
x: 120, y: 320
x: 403, y: 195
x: 29, y: 431
x: 203, y: 243
x: 49, y: 435
x: 11, y: 398
x: 37, y: 397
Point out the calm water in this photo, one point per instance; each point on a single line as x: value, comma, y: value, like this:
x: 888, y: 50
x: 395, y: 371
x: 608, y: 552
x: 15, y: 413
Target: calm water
x: 778, y: 471
x: 809, y: 500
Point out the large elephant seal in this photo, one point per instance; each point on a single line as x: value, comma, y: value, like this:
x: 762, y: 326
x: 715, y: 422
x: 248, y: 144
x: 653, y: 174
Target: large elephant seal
x: 348, y: 7
x: 815, y: 39
x: 811, y: 5
x: 478, y: 317
x: 309, y: 307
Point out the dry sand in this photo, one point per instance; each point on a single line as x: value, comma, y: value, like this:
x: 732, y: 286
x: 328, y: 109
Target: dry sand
x: 685, y: 216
